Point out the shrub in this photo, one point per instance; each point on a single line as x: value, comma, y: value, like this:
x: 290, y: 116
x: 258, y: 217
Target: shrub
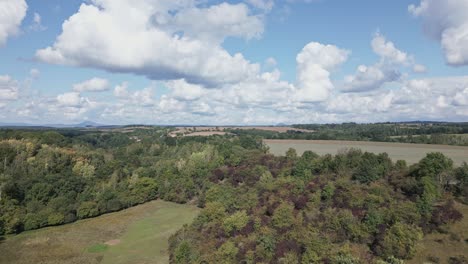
x: 87, y: 209
x: 235, y: 222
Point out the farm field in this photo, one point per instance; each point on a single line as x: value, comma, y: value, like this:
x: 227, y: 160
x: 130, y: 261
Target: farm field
x: 219, y: 130
x: 135, y: 235
x: 412, y: 153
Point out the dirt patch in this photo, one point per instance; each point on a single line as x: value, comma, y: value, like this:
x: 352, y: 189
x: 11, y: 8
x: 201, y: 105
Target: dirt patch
x: 113, y: 242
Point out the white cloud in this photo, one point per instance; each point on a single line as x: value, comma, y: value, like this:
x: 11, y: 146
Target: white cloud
x: 461, y: 98
x: 72, y: 99
x: 37, y: 23
x: 387, y: 70
x: 314, y: 64
x: 419, y: 68
x: 9, y: 88
x: 387, y: 50
x: 97, y: 36
x: 92, y: 85
x: 266, y: 5
x: 12, y: 13
x: 144, y: 97
x: 447, y: 22
x: 369, y: 78
x: 181, y: 90
x: 217, y: 22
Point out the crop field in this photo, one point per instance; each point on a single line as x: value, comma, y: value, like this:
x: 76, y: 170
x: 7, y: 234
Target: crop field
x: 412, y: 153
x: 136, y: 235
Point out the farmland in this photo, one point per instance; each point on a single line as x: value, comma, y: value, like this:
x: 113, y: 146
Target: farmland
x: 221, y: 130
x: 412, y: 153
x: 135, y: 235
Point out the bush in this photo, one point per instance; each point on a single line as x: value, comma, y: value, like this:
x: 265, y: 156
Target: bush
x: 400, y: 241
x: 283, y: 215
x: 56, y: 219
x: 235, y: 222
x: 87, y: 209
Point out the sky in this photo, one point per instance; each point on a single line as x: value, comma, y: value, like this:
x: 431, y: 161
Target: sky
x: 252, y: 62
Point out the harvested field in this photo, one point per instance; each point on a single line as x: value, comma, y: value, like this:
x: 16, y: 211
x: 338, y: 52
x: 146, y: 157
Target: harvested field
x: 135, y: 235
x: 412, y: 153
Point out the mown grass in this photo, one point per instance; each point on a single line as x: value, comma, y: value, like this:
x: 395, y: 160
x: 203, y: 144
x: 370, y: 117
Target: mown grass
x: 139, y: 230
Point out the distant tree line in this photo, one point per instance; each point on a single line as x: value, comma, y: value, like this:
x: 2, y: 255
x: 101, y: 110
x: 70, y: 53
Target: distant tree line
x: 423, y: 133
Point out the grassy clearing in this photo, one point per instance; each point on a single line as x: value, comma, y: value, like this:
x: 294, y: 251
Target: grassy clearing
x: 412, y: 153
x: 441, y: 247
x: 112, y: 238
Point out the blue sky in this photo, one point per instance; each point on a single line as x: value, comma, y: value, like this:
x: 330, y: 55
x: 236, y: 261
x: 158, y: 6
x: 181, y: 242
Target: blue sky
x: 233, y: 62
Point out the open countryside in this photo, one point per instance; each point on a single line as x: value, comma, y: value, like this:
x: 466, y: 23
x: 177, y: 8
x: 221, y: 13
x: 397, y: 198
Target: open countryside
x: 136, y: 235
x: 411, y: 153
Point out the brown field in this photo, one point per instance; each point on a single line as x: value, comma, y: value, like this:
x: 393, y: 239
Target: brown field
x: 135, y: 235
x: 412, y: 153
x: 196, y: 129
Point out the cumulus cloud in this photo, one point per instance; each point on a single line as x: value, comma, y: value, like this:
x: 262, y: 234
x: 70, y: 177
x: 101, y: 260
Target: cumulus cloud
x: 387, y: 50
x: 163, y: 47
x: 144, y: 97
x: 446, y: 22
x: 72, y: 99
x: 92, y: 85
x: 12, y: 13
x: 217, y: 22
x: 369, y: 78
x: 386, y: 70
x: 314, y: 64
x: 9, y: 88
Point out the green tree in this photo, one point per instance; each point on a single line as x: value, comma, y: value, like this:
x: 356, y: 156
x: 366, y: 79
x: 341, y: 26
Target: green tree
x: 400, y: 241
x: 87, y: 209
x: 235, y: 222
x: 226, y: 254
x: 283, y: 216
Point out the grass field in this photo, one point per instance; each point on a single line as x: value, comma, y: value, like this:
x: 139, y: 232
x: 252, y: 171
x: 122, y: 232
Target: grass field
x: 135, y: 235
x: 441, y: 247
x: 412, y: 153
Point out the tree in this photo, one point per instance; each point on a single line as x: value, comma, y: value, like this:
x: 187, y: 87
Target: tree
x: 226, y: 254
x: 183, y: 253
x: 399, y: 241
x: 235, y: 222
x: 291, y: 154
x: 87, y: 209
x: 433, y: 165
x: 283, y: 216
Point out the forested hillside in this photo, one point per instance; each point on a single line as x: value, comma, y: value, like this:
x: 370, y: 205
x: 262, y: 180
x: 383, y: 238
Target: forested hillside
x: 355, y: 207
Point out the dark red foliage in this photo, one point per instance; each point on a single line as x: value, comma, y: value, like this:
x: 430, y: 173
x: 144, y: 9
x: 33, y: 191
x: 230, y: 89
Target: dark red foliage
x: 300, y: 202
x: 286, y: 246
x: 248, y: 229
x: 445, y: 214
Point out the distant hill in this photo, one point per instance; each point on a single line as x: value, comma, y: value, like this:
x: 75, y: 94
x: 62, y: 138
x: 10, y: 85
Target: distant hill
x: 79, y: 125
